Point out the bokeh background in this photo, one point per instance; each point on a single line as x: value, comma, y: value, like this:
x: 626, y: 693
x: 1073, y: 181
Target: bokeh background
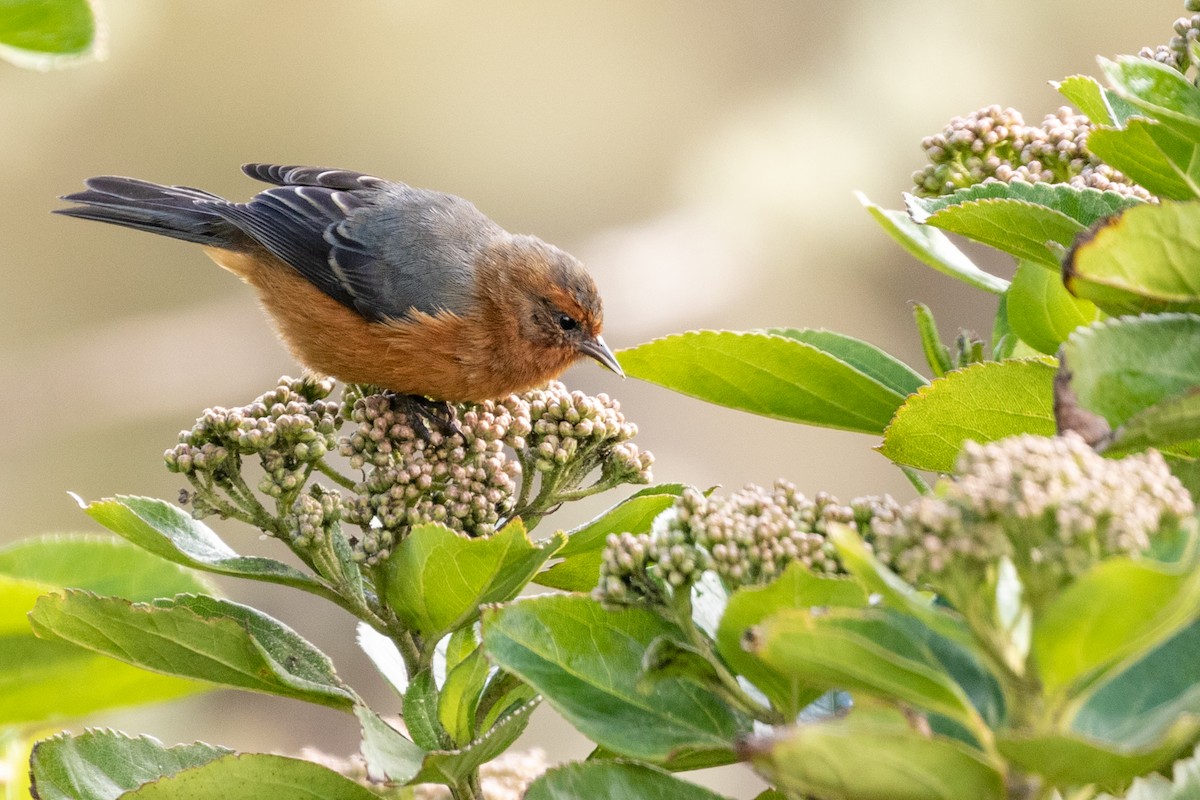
x: 699, y: 157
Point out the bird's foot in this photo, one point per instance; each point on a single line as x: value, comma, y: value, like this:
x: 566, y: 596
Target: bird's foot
x: 426, y: 415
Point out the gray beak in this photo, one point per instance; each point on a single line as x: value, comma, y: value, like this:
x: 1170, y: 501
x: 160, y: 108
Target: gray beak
x: 597, y: 349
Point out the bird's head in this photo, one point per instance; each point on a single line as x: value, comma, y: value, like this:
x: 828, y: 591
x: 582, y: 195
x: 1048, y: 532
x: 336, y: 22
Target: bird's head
x: 557, y: 303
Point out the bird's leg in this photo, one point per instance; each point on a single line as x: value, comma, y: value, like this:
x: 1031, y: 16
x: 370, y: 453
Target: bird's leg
x: 426, y: 415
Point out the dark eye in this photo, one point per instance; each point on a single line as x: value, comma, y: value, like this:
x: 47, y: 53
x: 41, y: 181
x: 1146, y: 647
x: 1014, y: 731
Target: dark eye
x: 567, y: 322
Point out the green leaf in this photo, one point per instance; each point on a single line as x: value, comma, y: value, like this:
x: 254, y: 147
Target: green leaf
x: 198, y: 637
x: 1030, y: 221
x: 99, y: 564
x: 102, y: 765
x: 932, y: 247
x: 873, y: 756
x: 1174, y: 421
x: 1140, y: 261
x: 438, y: 579
x: 612, y: 780
x: 866, y: 358
x: 253, y: 777
x: 1066, y: 760
x: 1122, y: 366
x: 1040, y: 309
x: 390, y: 755
x: 1118, y: 608
x: 460, y: 696
x: 578, y: 565
x: 586, y: 662
x: 421, y: 712
x: 860, y: 650
x: 797, y: 587
x: 1158, y: 91
x: 1151, y: 154
x: 1088, y: 96
x: 170, y: 533
x: 1139, y: 703
x: 453, y: 766
x: 41, y: 680
x: 40, y: 34
x: 982, y: 402
x: 937, y: 355
x: 764, y: 374
x: 860, y: 562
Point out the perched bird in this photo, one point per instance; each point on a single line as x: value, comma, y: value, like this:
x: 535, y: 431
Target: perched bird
x: 372, y: 281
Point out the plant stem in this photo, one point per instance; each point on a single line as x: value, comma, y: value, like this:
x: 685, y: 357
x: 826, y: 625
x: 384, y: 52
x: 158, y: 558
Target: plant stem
x: 333, y: 475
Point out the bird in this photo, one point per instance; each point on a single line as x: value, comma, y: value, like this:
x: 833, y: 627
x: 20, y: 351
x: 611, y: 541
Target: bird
x: 375, y: 282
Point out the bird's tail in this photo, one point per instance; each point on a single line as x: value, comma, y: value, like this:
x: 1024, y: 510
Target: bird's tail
x: 176, y: 211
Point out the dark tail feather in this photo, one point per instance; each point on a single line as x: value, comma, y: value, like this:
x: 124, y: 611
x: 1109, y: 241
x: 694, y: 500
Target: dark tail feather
x: 175, y: 211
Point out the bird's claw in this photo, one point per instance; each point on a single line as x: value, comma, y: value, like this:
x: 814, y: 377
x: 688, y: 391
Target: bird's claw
x: 425, y: 415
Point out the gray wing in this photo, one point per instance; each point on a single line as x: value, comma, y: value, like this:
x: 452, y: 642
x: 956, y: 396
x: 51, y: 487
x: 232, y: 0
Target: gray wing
x: 380, y: 247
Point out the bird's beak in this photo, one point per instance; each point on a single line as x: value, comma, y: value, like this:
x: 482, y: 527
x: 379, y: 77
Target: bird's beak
x: 597, y: 349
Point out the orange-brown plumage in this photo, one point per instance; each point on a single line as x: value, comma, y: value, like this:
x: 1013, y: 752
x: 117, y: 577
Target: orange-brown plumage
x: 373, y: 282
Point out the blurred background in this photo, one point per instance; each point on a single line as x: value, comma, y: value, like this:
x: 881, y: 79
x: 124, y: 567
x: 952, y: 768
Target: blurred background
x: 699, y: 157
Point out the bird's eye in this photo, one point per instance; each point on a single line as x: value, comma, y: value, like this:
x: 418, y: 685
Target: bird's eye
x: 567, y: 322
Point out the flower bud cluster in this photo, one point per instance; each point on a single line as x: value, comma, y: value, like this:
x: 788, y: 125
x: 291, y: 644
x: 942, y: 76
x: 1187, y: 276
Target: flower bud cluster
x: 312, y: 515
x: 1177, y: 53
x: 564, y: 429
x: 461, y: 478
x: 748, y: 538
x: 289, y: 428
x: 996, y: 144
x: 1053, y: 505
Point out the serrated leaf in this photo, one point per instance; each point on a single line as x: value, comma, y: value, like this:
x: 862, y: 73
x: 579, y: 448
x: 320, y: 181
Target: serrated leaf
x: 1088, y: 96
x: 40, y: 34
x: 873, y: 756
x: 764, y: 374
x: 797, y: 587
x: 437, y: 579
x: 1029, y: 221
x: 1143, y: 260
x: 1066, y: 760
x: 1119, y: 608
x: 170, y: 533
x: 41, y: 680
x: 860, y: 650
x: 198, y: 637
x: 1040, y: 309
x: 611, y: 780
x: 864, y: 357
x: 579, y: 567
x: 103, y: 765
x: 1121, y: 366
x: 253, y: 776
x: 586, y: 662
x: 932, y: 247
x: 1158, y: 91
x: 1149, y: 153
x: 982, y: 402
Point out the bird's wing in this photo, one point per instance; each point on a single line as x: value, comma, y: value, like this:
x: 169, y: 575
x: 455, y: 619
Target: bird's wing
x: 281, y: 175
x: 380, y: 247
